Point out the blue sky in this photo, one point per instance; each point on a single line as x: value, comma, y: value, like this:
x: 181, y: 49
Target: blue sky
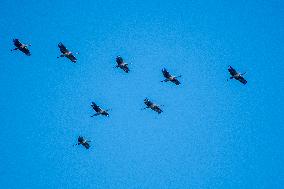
x: 212, y: 133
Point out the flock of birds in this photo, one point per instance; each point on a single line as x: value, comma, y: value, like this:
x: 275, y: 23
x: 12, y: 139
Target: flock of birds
x: 124, y: 66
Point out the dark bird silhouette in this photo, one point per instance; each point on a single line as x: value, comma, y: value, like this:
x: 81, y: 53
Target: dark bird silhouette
x: 170, y: 77
x: 99, y: 110
x: 83, y: 142
x: 66, y: 53
x: 121, y: 64
x: 236, y: 75
x: 152, y: 105
x: 22, y: 47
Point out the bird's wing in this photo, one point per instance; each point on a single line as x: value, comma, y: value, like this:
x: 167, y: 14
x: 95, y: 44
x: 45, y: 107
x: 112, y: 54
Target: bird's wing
x: 242, y: 80
x: 175, y: 81
x: 149, y: 103
x: 80, y: 139
x: 86, y: 145
x: 158, y: 109
x: 17, y: 43
x: 72, y: 58
x: 62, y: 48
x: 119, y: 60
x: 232, y: 71
x: 166, y: 73
x: 26, y: 51
x: 125, y: 68
x: 97, y: 108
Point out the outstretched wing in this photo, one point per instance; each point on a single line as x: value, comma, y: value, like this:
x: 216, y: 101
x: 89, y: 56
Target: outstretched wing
x: 242, y: 80
x: 72, y: 58
x: 96, y: 107
x: 62, y: 48
x: 175, y: 81
x: 125, y: 68
x: 86, y: 145
x: 148, y: 102
x: 232, y: 71
x: 119, y: 60
x: 26, y: 51
x: 166, y: 73
x: 17, y: 43
x: 157, y: 109
x: 80, y: 139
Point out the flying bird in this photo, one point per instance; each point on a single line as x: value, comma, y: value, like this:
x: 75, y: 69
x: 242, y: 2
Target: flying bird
x: 152, y: 105
x: 99, y: 110
x: 83, y: 142
x: 170, y: 77
x: 121, y: 64
x: 66, y: 53
x: 22, y: 47
x: 236, y: 75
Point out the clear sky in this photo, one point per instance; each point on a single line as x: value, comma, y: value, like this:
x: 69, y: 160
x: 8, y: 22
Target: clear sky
x: 212, y: 133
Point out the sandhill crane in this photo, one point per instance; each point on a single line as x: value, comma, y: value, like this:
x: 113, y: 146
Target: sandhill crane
x: 22, y: 47
x: 99, y: 111
x: 170, y: 77
x: 83, y: 142
x: 121, y: 64
x: 152, y: 105
x: 236, y: 75
x: 66, y: 53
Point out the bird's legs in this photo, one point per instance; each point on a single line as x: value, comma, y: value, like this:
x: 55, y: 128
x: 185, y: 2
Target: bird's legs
x: 62, y: 55
x: 230, y: 78
x: 14, y: 49
x: 145, y: 108
x: 96, y: 114
x: 76, y: 144
x: 166, y: 80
